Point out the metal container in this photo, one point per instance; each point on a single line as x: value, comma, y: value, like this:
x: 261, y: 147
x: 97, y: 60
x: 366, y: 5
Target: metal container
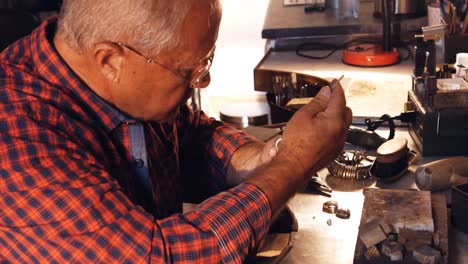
x: 244, y: 113
x: 402, y: 8
x: 244, y: 121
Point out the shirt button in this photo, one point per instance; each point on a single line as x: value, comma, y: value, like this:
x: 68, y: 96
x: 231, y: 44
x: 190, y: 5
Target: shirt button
x: 139, y: 163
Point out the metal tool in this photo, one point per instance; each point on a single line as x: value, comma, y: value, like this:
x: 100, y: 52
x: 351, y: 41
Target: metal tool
x: 335, y: 82
x: 317, y: 186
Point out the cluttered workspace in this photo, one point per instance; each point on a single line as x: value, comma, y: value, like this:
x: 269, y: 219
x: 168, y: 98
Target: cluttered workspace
x: 398, y: 193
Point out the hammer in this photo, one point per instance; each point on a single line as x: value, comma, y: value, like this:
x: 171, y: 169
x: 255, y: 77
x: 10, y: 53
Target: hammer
x: 442, y: 174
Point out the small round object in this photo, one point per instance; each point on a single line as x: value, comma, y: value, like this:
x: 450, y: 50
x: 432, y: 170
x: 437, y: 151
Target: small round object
x: 330, y: 207
x: 393, y: 159
x: 343, y: 213
x: 392, y: 150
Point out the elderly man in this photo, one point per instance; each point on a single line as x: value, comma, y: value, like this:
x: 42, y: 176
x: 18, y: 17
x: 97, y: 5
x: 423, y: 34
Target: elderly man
x: 98, y: 149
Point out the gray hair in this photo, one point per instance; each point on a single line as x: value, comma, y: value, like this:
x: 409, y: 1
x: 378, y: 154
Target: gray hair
x: 149, y: 25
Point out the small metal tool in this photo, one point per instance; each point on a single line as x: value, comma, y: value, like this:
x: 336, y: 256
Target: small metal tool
x: 425, y: 63
x: 316, y: 185
x: 334, y: 82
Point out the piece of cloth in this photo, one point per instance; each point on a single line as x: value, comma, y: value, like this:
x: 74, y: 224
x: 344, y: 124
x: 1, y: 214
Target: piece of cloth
x: 73, y: 175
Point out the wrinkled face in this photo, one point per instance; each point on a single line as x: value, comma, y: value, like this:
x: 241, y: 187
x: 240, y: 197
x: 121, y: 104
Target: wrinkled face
x: 154, y: 91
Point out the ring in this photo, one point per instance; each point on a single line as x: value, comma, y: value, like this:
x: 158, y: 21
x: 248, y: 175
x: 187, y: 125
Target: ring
x: 278, y: 141
x: 330, y: 207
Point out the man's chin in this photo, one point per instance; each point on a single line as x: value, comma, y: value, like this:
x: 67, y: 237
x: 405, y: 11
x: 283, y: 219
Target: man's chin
x: 169, y: 117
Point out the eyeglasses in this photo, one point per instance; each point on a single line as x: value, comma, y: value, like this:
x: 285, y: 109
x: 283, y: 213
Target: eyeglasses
x: 198, y: 73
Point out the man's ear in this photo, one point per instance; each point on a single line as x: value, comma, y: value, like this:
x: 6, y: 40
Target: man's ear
x: 109, y: 59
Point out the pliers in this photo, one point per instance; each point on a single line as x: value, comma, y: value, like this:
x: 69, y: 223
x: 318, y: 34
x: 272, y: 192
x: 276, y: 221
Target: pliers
x: 316, y: 185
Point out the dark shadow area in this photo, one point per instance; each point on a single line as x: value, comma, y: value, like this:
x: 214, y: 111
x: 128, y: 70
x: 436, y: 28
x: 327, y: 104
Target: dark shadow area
x: 19, y: 18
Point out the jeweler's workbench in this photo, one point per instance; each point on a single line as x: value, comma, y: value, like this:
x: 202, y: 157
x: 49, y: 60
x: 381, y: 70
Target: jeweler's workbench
x: 325, y: 238
x: 370, y: 93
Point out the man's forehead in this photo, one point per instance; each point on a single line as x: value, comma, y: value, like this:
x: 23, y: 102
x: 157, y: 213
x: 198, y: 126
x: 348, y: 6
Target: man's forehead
x: 200, y: 31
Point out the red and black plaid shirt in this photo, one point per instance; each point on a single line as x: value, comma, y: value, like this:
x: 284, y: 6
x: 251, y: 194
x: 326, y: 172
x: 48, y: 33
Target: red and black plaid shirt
x: 69, y: 188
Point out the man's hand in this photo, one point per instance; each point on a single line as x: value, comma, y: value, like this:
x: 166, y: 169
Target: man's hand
x: 312, y: 138
x: 316, y: 133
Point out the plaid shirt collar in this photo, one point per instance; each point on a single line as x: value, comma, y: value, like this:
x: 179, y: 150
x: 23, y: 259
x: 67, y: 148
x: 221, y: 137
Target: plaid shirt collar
x: 52, y: 67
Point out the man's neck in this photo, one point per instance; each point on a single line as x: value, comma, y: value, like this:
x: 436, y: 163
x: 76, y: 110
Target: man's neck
x: 69, y: 56
x: 80, y: 64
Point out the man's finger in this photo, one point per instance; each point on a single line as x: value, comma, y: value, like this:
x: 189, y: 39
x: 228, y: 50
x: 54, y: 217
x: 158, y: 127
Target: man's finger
x: 337, y: 100
x: 320, y: 101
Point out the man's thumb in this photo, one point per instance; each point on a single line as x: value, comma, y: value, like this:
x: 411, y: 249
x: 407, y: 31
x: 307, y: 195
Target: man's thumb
x: 320, y: 101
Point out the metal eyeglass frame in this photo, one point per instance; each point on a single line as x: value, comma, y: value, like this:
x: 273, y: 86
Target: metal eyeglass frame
x: 201, y: 72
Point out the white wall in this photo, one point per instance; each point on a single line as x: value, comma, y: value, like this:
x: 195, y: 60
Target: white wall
x: 239, y: 49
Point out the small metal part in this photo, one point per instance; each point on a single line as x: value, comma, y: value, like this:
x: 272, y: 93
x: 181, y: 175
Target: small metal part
x: 329, y: 222
x: 425, y: 63
x: 435, y: 32
x: 330, y: 207
x: 316, y: 185
x: 335, y: 82
x: 343, y: 213
x: 319, y: 182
